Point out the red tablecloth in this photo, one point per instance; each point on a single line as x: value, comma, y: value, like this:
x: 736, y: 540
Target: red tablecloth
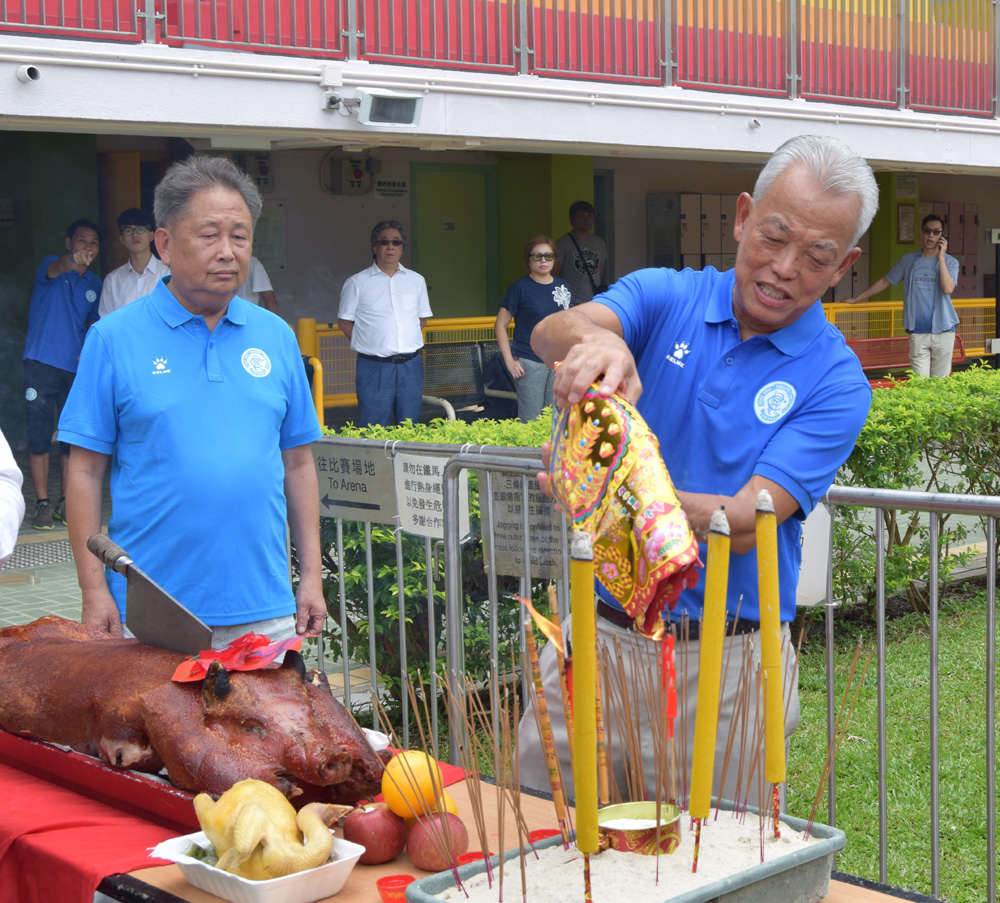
x: 56, y: 844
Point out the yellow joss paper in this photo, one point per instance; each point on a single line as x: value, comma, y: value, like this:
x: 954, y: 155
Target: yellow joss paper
x: 608, y: 474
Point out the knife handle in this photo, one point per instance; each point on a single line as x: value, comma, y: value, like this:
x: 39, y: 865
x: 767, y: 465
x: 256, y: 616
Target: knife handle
x: 112, y: 554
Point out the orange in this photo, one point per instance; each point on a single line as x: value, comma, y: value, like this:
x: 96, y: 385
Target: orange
x: 449, y: 806
x: 409, y: 782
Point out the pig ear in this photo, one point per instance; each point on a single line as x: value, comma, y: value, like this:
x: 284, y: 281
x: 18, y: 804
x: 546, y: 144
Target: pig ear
x: 319, y: 679
x: 216, y: 686
x: 294, y: 661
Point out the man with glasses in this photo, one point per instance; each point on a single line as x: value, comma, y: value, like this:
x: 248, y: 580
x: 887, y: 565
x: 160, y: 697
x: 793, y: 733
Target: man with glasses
x: 928, y: 277
x: 137, y: 277
x: 383, y: 310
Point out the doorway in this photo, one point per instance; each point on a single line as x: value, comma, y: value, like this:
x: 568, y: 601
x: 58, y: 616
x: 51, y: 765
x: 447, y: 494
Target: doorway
x: 454, y: 241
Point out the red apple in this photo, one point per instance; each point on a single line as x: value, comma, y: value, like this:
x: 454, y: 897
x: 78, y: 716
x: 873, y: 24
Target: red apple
x: 378, y: 829
x: 434, y: 835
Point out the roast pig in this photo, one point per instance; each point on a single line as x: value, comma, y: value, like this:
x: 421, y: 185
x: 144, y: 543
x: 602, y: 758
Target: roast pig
x: 72, y: 684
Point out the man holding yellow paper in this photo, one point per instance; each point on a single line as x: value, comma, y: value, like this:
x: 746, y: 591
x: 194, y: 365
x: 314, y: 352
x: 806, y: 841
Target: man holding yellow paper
x: 747, y: 387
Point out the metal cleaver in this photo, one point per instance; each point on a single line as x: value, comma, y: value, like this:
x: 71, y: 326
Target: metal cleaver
x: 153, y: 615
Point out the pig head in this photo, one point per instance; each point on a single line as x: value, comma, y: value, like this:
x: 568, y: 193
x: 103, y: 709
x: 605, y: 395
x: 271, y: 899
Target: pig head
x: 112, y: 698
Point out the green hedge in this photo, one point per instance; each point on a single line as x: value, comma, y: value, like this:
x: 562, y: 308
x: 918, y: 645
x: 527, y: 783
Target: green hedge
x: 931, y: 435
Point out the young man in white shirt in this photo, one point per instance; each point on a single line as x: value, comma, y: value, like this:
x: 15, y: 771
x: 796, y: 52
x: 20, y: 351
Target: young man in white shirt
x: 137, y: 277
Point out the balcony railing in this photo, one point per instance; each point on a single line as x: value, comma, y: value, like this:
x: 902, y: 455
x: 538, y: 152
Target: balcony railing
x: 917, y: 54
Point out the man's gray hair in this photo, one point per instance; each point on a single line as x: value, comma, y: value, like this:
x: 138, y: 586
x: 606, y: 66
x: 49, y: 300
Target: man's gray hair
x: 837, y: 168
x: 201, y: 172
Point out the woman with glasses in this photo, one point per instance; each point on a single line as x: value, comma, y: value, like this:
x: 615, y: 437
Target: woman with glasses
x: 528, y: 301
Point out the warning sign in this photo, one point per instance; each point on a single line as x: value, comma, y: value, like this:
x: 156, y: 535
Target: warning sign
x: 544, y: 529
x: 420, y: 495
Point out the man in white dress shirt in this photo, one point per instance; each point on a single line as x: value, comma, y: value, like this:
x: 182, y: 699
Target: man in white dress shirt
x: 257, y: 289
x: 137, y: 277
x: 383, y: 311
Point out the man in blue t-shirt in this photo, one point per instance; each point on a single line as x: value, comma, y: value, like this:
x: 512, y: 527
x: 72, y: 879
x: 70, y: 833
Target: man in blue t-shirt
x: 748, y: 387
x: 64, y: 300
x: 199, y: 400
x: 928, y: 278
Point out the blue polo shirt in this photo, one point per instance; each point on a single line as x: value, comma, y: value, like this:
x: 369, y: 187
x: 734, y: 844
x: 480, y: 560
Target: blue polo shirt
x: 57, y: 320
x: 195, y: 422
x: 787, y: 406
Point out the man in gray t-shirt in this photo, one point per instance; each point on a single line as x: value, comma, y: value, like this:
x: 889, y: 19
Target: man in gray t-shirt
x: 579, y: 252
x: 928, y: 315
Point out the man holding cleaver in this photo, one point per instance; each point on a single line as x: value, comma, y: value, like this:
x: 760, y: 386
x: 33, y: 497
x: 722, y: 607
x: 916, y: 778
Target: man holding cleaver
x: 200, y: 402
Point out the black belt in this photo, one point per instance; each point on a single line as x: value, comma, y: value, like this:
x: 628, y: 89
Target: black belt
x: 392, y: 359
x: 622, y: 619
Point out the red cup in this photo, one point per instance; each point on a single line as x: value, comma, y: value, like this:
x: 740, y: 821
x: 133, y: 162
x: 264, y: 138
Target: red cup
x: 392, y: 888
x: 473, y: 856
x: 542, y: 833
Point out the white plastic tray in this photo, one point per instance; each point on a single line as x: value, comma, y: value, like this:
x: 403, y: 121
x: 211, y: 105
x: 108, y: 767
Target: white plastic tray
x: 302, y: 887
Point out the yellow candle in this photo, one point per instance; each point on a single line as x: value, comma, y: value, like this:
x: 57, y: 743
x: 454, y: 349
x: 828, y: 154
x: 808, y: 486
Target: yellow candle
x: 584, y: 630
x: 713, y: 633
x: 770, y: 638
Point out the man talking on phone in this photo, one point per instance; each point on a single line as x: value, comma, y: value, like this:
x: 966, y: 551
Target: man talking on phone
x: 928, y: 315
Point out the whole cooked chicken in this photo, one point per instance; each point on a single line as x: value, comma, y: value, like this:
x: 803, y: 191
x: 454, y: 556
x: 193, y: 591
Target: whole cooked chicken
x: 257, y: 834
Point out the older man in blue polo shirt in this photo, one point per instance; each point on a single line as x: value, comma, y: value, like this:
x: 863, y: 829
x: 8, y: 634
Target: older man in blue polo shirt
x: 747, y: 386
x: 200, y: 401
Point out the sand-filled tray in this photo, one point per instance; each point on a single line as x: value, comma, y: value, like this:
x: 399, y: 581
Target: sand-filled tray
x: 801, y: 875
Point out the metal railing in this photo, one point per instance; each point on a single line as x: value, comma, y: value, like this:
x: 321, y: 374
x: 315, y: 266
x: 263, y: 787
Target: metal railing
x: 328, y: 343
x: 107, y: 20
x: 936, y: 505
x: 881, y: 319
x: 509, y: 513
x: 917, y: 54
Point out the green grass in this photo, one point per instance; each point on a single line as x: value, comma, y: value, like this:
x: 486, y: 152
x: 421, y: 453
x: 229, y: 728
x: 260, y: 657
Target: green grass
x: 962, y: 764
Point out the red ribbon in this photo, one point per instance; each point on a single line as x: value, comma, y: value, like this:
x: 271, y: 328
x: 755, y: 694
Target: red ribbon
x: 246, y: 653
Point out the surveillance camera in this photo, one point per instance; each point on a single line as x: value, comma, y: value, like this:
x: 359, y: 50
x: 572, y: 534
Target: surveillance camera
x: 754, y: 123
x: 331, y: 101
x: 28, y: 74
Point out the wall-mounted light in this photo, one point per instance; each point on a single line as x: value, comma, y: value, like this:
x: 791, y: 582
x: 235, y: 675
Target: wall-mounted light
x: 379, y: 106
x: 27, y: 74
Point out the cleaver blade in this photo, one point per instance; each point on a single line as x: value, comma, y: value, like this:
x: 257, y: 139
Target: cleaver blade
x: 152, y: 614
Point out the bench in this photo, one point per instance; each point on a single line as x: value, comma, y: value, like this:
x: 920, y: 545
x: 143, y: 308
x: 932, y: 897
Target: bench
x: 457, y: 379
x: 892, y: 352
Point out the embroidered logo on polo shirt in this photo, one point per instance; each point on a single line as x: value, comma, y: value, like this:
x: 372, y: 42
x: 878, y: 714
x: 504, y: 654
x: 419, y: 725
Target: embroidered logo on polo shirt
x: 774, y: 401
x: 91, y: 295
x: 255, y: 362
x: 30, y: 394
x: 681, y: 350
x: 160, y: 366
